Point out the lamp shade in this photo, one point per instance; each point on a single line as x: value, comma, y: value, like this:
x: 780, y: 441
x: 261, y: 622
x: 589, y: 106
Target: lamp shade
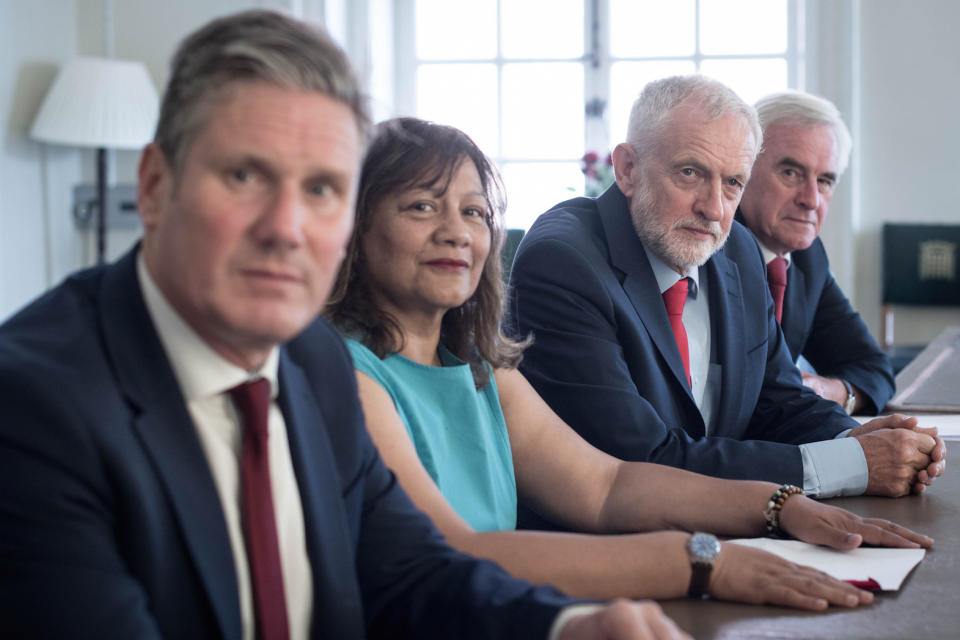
x: 99, y: 102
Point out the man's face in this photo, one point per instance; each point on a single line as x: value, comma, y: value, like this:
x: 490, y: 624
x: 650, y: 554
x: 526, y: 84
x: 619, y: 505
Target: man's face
x: 246, y: 238
x: 793, y: 180
x: 684, y: 193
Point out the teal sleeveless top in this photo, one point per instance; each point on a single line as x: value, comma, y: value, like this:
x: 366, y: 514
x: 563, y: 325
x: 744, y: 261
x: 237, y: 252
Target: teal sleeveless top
x: 459, y: 432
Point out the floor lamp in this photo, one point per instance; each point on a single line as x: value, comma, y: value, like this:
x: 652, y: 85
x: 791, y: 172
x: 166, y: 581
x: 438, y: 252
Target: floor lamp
x: 101, y: 103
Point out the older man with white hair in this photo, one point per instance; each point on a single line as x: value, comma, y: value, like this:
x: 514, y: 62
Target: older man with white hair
x: 806, y: 149
x: 654, y: 329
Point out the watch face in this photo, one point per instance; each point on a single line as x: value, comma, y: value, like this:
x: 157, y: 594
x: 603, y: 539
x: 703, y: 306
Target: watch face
x: 704, y: 546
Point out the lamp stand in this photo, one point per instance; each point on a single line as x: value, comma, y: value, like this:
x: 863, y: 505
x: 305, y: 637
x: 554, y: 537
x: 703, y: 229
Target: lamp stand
x: 101, y: 204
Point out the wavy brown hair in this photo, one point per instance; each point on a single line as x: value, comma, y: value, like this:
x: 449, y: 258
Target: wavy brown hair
x: 407, y: 153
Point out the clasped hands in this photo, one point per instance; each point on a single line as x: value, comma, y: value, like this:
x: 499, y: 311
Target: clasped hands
x: 902, y: 457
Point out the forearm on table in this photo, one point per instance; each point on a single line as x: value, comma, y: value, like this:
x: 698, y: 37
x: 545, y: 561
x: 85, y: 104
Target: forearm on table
x: 651, y: 565
x: 649, y: 497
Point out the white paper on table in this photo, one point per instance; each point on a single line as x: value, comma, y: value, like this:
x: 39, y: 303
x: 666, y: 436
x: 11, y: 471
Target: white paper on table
x: 889, y: 567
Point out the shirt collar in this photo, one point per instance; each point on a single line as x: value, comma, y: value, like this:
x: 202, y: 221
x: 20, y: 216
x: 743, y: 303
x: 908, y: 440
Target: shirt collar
x: 667, y: 277
x: 200, y: 371
x: 769, y: 255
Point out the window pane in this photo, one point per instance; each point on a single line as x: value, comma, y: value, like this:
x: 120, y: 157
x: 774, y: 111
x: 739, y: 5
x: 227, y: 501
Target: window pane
x: 743, y: 26
x: 627, y: 79
x: 646, y: 28
x: 442, y: 32
x: 543, y: 110
x: 462, y: 95
x: 751, y: 79
x: 534, y: 187
x: 526, y: 34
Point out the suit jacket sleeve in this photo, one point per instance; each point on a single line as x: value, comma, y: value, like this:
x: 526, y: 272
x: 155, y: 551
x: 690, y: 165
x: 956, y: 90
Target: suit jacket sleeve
x: 579, y: 365
x: 839, y: 345
x: 62, y: 570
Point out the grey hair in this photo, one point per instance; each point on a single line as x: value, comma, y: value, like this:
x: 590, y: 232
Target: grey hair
x: 659, y: 98
x: 250, y: 46
x: 800, y: 109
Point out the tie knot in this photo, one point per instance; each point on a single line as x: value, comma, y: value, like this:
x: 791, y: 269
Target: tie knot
x: 252, y: 400
x: 777, y: 271
x: 675, y: 297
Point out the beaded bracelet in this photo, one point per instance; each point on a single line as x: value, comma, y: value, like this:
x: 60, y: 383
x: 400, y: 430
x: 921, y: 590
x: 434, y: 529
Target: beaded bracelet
x: 777, y: 500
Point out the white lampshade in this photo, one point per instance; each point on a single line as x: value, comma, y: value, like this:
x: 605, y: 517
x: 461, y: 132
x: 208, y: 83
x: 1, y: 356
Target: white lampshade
x: 99, y: 102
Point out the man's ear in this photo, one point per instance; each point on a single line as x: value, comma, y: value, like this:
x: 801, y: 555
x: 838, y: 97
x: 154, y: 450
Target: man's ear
x: 624, y: 168
x: 154, y: 185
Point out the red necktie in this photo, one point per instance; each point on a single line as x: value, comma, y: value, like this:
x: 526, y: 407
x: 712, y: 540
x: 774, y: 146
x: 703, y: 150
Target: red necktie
x: 777, y: 279
x: 674, y: 298
x: 252, y: 400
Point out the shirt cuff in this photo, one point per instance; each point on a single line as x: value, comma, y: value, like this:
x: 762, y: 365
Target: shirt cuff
x: 568, y: 613
x: 834, y: 468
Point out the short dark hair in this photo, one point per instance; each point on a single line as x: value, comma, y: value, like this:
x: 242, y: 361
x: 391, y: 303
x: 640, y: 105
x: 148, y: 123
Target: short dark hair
x: 408, y: 153
x: 250, y: 46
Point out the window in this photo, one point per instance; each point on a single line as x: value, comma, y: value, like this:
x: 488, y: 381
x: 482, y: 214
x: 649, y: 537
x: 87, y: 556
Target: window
x: 536, y: 83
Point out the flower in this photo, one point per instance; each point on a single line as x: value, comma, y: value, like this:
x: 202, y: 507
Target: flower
x: 598, y: 175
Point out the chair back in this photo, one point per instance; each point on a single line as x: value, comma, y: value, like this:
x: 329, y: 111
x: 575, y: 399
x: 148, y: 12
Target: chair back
x: 514, y: 236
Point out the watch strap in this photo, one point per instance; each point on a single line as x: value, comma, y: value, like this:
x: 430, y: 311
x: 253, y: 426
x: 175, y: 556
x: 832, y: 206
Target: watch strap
x: 699, y: 579
x: 851, y: 402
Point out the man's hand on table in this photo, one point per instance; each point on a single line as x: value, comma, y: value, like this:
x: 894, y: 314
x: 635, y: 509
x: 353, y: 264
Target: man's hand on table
x: 902, y: 457
x: 623, y: 620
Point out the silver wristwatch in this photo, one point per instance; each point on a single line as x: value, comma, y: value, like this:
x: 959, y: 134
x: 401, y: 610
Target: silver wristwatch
x: 851, y: 402
x: 703, y: 550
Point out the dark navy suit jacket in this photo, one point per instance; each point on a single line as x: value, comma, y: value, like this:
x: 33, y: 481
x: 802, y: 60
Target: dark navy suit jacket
x: 110, y: 522
x: 605, y: 359
x: 820, y: 324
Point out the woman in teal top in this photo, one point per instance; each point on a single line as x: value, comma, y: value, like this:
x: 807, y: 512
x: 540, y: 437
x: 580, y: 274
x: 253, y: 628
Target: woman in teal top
x: 422, y: 280
x: 468, y: 460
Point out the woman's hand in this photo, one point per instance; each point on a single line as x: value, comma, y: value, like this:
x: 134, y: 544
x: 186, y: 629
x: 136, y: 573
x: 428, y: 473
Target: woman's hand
x: 746, y: 574
x: 819, y: 523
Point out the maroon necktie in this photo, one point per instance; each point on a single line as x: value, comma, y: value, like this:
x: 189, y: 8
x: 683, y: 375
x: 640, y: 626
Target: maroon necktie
x: 777, y: 279
x: 252, y: 400
x: 674, y: 298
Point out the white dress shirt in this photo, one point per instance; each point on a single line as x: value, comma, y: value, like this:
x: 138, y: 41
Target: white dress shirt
x: 705, y: 377
x: 204, y: 378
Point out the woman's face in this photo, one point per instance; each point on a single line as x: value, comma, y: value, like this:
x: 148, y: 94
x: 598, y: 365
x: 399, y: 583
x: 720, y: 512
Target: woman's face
x: 425, y: 250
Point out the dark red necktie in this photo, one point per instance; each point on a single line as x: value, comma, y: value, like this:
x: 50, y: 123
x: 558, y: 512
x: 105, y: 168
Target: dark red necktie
x: 674, y: 298
x: 777, y: 279
x: 252, y: 400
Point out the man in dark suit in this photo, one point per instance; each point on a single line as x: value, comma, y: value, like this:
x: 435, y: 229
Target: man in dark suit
x: 712, y: 388
x: 806, y: 147
x: 169, y: 468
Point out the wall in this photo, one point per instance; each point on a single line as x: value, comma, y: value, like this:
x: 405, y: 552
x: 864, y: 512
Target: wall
x: 34, y: 247
x: 910, y: 135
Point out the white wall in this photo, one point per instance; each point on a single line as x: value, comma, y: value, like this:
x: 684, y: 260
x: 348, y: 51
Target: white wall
x: 35, y: 38
x: 909, y: 138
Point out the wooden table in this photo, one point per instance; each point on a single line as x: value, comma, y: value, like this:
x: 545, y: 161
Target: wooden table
x: 927, y: 605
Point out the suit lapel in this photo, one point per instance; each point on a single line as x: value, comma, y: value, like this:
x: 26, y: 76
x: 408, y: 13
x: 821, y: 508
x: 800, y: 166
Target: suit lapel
x: 628, y: 255
x: 164, y: 425
x: 321, y: 493
x: 726, y: 328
